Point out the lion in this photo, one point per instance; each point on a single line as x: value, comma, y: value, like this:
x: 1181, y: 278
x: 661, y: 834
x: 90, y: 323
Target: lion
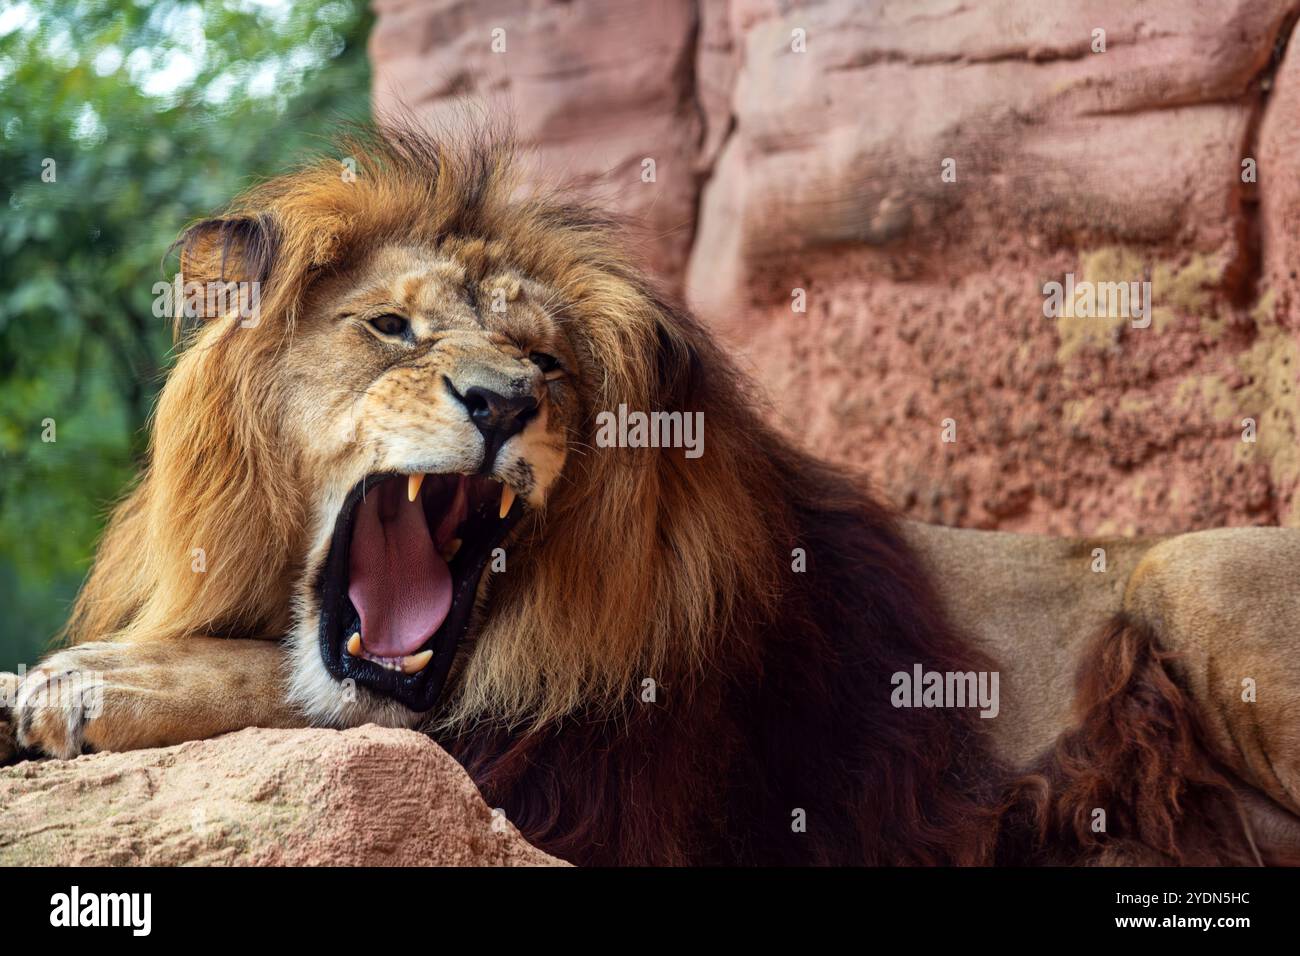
x: 382, y: 499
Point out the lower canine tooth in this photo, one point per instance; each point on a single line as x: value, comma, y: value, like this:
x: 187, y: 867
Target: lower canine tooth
x: 450, y: 550
x: 414, y: 663
x: 413, y: 483
x: 354, y: 645
x: 507, y: 499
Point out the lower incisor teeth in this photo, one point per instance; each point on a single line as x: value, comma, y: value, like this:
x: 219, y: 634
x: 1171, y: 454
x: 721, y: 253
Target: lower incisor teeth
x: 410, y: 664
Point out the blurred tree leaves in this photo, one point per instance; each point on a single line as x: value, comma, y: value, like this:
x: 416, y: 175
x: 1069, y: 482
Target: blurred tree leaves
x: 154, y: 114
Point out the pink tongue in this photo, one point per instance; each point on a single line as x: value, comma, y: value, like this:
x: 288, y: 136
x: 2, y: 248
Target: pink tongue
x: 399, y: 585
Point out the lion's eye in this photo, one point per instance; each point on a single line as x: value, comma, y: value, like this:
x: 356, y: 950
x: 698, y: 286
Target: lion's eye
x: 547, y: 363
x: 390, y: 324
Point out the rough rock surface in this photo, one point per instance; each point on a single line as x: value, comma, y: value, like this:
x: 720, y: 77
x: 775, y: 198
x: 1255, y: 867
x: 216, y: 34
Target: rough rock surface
x: 579, y: 103
x: 822, y: 171
x: 366, y: 797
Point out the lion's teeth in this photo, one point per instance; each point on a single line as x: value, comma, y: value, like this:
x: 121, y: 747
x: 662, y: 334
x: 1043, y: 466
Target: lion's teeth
x: 414, y: 663
x: 413, y: 483
x: 411, y: 664
x: 451, y: 548
x: 507, y: 499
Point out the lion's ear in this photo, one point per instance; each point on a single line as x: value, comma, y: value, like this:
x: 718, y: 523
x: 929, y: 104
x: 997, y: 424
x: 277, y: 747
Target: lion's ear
x: 229, y: 249
x: 224, y: 262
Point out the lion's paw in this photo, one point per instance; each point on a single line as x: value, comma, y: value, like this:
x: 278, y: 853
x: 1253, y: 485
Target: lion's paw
x: 54, y: 703
x: 8, y: 731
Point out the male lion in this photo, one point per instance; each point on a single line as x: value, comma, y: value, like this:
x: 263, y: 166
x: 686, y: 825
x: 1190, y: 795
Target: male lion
x: 384, y: 501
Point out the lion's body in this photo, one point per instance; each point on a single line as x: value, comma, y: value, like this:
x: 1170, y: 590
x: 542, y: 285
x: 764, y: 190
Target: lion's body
x: 688, y: 660
x: 1032, y: 603
x: 1222, y: 603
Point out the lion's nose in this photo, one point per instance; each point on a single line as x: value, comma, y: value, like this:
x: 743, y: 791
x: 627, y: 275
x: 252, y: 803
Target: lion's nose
x: 494, y: 413
x: 496, y: 416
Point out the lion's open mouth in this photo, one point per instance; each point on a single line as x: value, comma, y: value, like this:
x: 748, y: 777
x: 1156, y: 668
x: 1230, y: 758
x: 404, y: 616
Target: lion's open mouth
x: 397, y: 591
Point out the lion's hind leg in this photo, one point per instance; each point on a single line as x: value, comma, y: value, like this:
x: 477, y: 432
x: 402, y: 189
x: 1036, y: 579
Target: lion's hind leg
x: 1135, y: 781
x: 1225, y: 605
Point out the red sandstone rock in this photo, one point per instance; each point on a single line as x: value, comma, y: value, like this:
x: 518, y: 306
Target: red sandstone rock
x: 369, y: 797
x: 594, y: 88
x: 821, y: 171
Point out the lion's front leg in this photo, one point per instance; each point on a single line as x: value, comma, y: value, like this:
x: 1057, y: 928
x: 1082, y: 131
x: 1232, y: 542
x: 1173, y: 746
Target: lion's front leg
x: 127, y: 696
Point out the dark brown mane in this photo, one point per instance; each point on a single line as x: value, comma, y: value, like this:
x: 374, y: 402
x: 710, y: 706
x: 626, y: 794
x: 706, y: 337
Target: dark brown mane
x: 792, y: 708
x: 792, y: 711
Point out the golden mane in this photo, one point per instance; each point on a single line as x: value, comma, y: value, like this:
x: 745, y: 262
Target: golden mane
x: 646, y: 556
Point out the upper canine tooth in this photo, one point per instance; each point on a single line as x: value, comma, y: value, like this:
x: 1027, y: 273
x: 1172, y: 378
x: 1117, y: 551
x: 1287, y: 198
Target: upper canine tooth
x: 354, y: 644
x: 413, y: 483
x: 507, y: 499
x: 414, y: 663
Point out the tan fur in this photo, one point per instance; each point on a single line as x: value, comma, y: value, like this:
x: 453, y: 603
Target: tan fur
x: 120, y: 696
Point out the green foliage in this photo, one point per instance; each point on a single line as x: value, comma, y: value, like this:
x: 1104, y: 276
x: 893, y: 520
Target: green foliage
x: 154, y: 114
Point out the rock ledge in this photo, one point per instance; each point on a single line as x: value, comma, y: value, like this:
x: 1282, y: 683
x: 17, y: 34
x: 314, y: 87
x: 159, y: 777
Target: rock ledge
x: 367, y: 796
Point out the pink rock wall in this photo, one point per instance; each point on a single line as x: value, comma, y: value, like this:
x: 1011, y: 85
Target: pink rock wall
x: 915, y: 172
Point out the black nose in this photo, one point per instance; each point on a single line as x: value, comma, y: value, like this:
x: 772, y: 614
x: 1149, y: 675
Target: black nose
x: 496, y: 416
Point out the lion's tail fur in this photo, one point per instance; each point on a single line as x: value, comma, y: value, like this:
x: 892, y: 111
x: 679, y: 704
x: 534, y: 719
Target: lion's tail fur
x: 1138, y: 754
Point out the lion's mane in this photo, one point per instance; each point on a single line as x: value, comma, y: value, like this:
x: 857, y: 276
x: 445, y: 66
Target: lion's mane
x: 772, y: 685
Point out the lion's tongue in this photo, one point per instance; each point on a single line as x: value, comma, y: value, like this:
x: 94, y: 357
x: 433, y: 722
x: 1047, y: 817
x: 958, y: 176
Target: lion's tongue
x: 399, y: 584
